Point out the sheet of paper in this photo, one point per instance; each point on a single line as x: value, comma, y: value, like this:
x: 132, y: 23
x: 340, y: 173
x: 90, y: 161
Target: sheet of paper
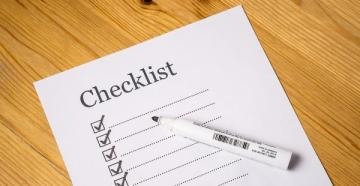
x: 214, y: 72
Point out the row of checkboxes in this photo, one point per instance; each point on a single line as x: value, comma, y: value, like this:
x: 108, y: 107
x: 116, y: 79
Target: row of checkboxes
x: 109, y: 154
x: 103, y: 139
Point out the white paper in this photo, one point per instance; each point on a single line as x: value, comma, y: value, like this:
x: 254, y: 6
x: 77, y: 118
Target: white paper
x: 221, y: 76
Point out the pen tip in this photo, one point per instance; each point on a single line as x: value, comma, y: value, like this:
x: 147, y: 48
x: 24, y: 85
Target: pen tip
x: 155, y: 118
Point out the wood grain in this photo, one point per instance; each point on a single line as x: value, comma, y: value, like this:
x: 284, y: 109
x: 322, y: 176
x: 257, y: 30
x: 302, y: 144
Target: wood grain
x: 313, y: 45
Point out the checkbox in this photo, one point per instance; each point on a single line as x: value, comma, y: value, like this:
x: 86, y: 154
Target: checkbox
x: 98, y: 126
x: 109, y: 154
x: 122, y: 181
x: 104, y: 139
x: 115, y: 168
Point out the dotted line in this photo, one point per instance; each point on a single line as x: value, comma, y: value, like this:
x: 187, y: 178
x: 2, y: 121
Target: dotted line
x: 233, y: 179
x: 195, y: 110
x: 160, y: 157
x: 153, y: 143
x: 159, y: 108
x: 138, y: 132
x: 180, y: 166
x: 203, y: 174
x: 160, y: 141
x: 204, y: 124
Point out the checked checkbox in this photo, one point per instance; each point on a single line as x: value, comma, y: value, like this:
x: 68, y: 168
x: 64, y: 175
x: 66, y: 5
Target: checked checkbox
x: 104, y: 139
x: 115, y: 168
x: 98, y: 126
x: 109, y: 154
x: 122, y: 181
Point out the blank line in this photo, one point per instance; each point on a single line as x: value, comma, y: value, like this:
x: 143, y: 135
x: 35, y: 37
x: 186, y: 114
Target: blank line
x: 169, y: 152
x: 177, y: 167
x: 159, y: 108
x: 138, y: 132
x: 153, y: 143
x: 196, y: 110
x: 233, y: 179
x: 208, y: 172
x: 146, y: 129
x: 162, y: 156
x: 204, y: 124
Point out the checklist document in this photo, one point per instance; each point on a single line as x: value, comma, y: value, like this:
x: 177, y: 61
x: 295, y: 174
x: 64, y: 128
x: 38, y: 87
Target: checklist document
x: 213, y: 72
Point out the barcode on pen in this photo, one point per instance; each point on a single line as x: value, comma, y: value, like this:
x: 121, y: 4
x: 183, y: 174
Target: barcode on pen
x: 231, y: 141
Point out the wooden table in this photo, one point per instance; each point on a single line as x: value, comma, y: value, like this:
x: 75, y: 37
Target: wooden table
x: 314, y: 47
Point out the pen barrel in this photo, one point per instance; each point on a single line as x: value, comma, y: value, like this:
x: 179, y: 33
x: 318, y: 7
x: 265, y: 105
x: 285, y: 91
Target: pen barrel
x: 260, y: 152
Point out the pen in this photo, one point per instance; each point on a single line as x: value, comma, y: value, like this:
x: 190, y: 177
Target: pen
x: 250, y: 149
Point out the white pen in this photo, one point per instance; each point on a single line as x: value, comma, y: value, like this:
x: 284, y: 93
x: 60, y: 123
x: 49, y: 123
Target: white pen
x: 234, y: 144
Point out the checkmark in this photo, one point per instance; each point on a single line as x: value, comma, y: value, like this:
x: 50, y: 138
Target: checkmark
x: 115, y: 168
x: 112, y: 152
x: 104, y: 139
x: 109, y: 154
x: 122, y: 181
x: 98, y: 126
